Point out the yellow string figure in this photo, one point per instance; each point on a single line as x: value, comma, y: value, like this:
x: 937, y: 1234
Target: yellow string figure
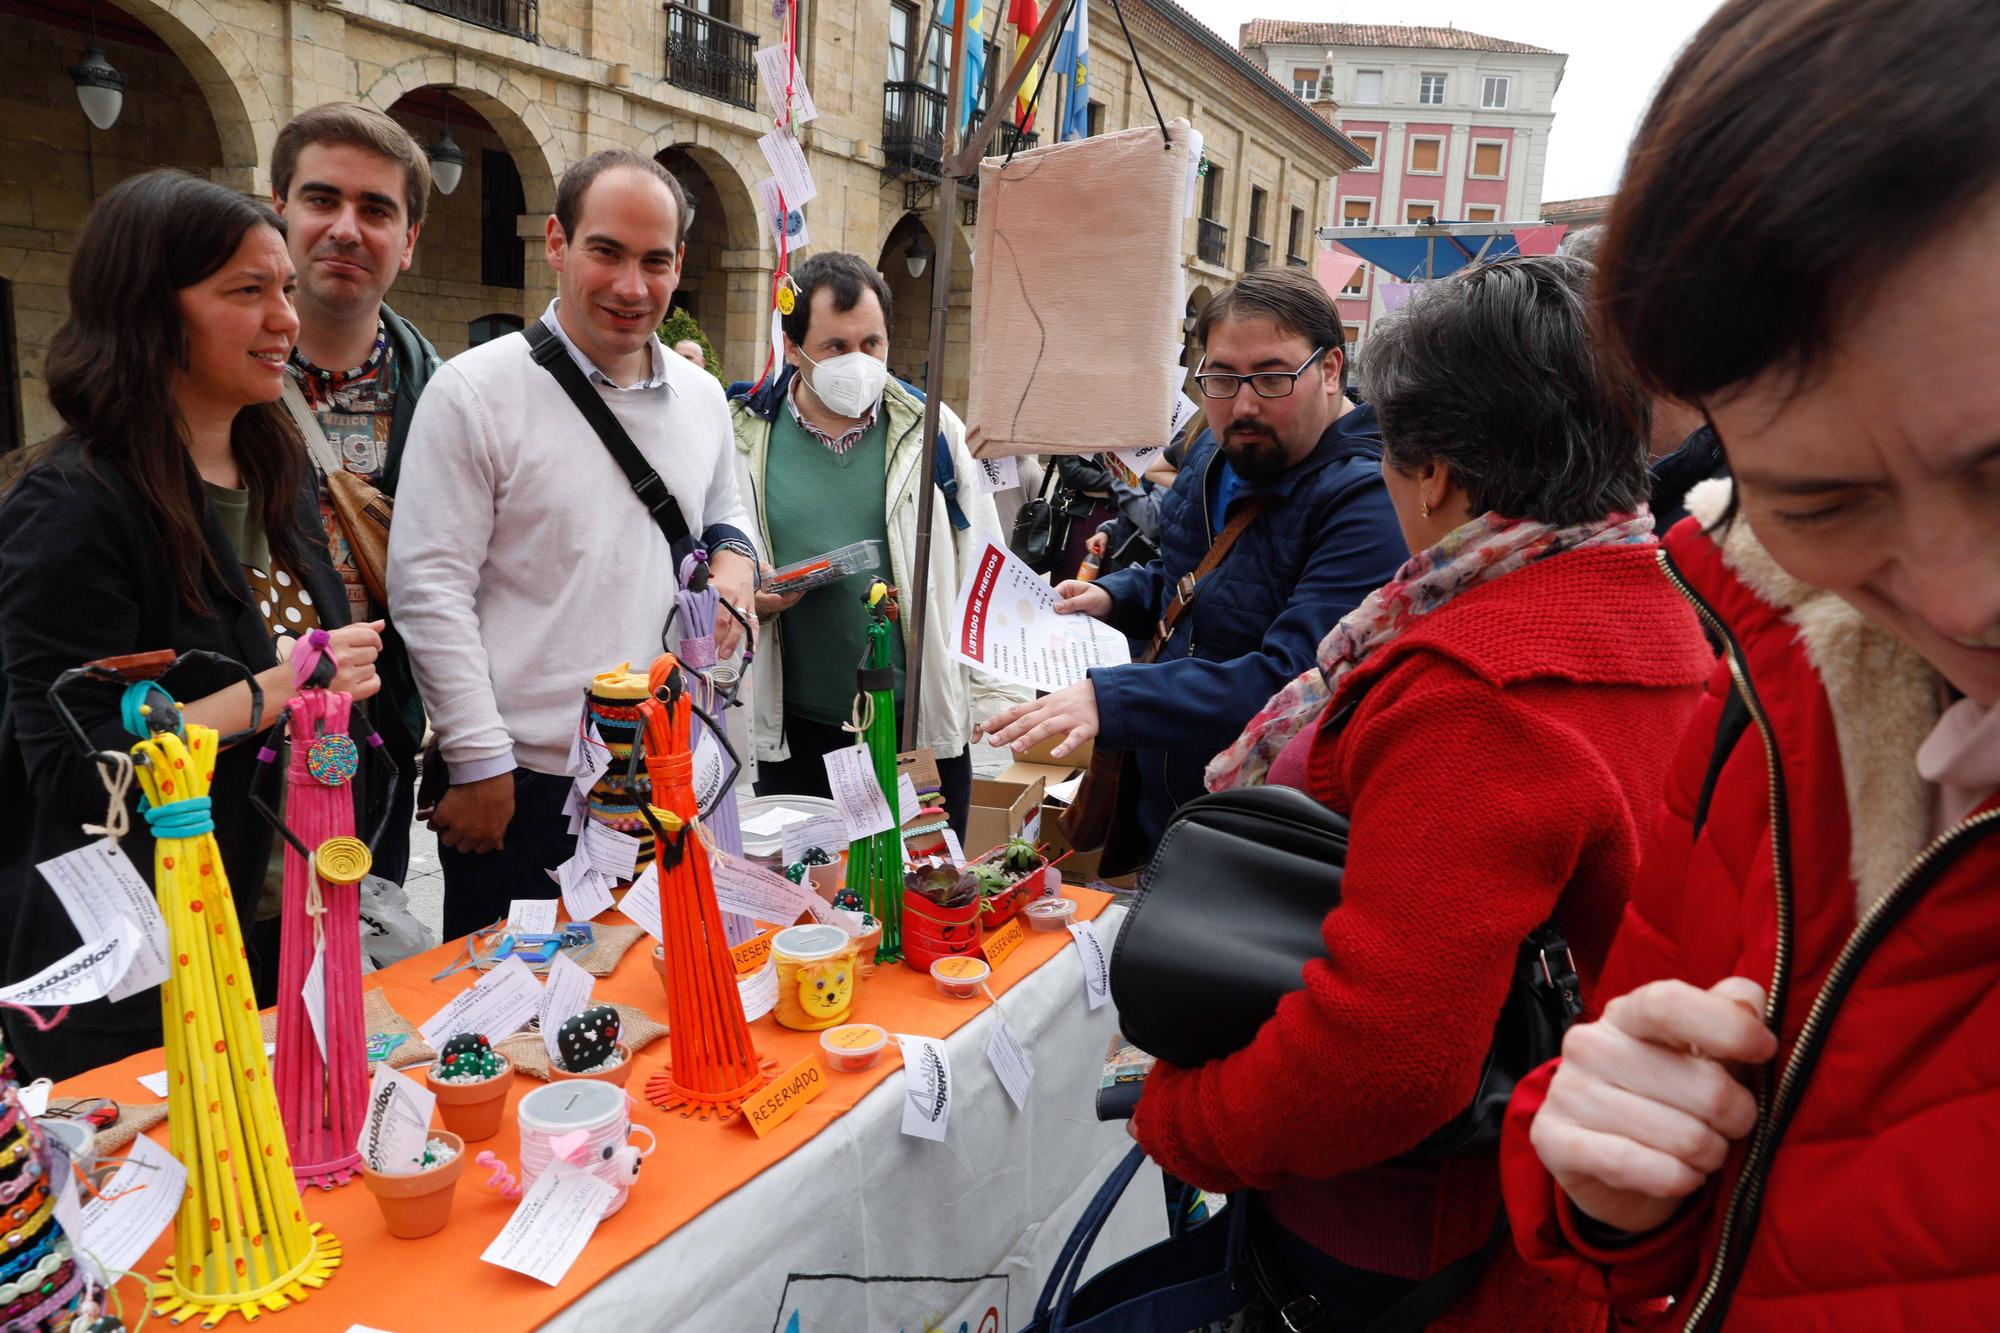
x: 241, y: 1240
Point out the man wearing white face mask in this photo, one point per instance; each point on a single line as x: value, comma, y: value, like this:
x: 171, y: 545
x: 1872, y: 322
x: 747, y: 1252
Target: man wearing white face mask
x: 829, y: 453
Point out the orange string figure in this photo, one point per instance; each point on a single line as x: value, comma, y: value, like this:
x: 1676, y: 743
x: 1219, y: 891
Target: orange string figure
x: 715, y: 1066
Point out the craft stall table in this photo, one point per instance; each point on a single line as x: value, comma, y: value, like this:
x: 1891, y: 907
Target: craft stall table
x: 835, y: 1221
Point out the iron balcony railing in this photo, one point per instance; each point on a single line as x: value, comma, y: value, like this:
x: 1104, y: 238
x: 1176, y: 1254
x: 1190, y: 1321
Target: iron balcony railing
x: 1211, y: 244
x: 913, y: 131
x: 1256, y: 253
x: 519, y: 18
x: 707, y: 56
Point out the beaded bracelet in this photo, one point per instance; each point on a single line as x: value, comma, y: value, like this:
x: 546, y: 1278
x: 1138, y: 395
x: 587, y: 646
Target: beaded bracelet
x: 68, y: 1290
x: 26, y: 1284
x: 30, y: 1227
x: 37, y: 1195
x: 21, y: 1146
x: 52, y: 1238
x: 11, y: 1116
x: 31, y: 1171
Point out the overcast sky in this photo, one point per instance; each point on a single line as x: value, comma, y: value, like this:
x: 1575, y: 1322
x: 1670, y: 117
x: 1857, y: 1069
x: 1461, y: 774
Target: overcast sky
x: 1617, y: 54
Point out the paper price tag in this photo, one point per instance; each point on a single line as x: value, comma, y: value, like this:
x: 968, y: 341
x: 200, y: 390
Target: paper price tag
x: 1002, y: 942
x: 1010, y: 1061
x: 551, y: 1224
x: 752, y: 953
x: 997, y: 474
x: 87, y: 972
x: 532, y: 916
x: 590, y: 758
x: 397, y: 1122
x: 97, y: 885
x: 952, y: 848
x: 826, y: 832
x: 313, y: 992
x: 586, y: 892
x: 566, y: 993
x: 1096, y: 970
x: 612, y: 854
x: 785, y: 1096
x: 755, y: 892
x: 771, y: 71
x: 641, y: 903
x: 926, y: 1087
x: 499, y: 1005
x: 788, y: 167
x: 788, y: 222
x: 133, y: 1207
x: 908, y: 807
x: 850, y: 774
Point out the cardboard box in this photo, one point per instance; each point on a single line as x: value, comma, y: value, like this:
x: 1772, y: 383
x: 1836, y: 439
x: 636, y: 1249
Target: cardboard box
x: 1002, y: 809
x: 1044, y: 753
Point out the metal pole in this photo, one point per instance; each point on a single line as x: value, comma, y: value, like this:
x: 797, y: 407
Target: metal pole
x: 947, y: 195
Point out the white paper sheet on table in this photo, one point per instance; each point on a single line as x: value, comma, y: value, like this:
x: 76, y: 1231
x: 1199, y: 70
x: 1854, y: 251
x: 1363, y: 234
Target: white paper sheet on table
x: 551, y: 1224
x: 499, y: 1005
x: 1006, y: 623
x: 773, y: 819
x: 564, y: 995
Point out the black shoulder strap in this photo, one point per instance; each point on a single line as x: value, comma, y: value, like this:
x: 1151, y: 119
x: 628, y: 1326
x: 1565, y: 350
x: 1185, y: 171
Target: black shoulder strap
x: 1729, y: 729
x: 550, y: 354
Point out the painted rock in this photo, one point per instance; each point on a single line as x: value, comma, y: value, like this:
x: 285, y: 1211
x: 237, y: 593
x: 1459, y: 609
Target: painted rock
x: 586, y: 1040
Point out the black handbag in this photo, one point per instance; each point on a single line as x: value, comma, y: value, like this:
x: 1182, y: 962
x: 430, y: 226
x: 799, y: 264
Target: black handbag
x: 1035, y: 540
x: 1231, y: 909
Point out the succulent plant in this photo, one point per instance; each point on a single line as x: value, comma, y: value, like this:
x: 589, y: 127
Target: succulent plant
x: 588, y: 1039
x: 1020, y: 856
x: 940, y: 882
x: 992, y: 878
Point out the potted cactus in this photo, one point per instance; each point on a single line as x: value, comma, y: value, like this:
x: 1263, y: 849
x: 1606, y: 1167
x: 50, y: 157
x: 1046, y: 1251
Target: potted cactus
x: 471, y: 1080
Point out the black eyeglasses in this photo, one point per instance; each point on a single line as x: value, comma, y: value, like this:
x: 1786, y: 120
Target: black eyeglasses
x: 1266, y: 383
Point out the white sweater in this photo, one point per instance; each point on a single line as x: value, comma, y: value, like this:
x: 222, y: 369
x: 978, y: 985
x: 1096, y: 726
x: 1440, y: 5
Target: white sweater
x: 520, y: 562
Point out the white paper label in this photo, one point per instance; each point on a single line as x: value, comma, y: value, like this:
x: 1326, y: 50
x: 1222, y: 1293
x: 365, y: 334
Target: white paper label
x: 908, y: 807
x: 788, y: 168
x: 551, y: 1224
x: 612, y: 853
x: 997, y: 474
x: 576, y: 809
x: 826, y: 832
x: 926, y: 1087
x: 586, y: 892
x: 771, y: 70
x: 753, y: 891
x: 134, y: 1206
x: 1005, y: 622
x: 1010, y: 1061
x: 758, y: 992
x: 854, y: 923
x: 773, y: 819
x: 641, y: 903
x: 532, y: 916
x: 34, y: 1097
x: 313, y: 992
x: 87, y: 972
x: 1096, y: 972
x: 566, y: 994
x: 98, y: 884
x: 499, y: 1005
x: 952, y: 847
x: 709, y: 770
x: 589, y: 757
x: 397, y: 1123
x: 850, y: 774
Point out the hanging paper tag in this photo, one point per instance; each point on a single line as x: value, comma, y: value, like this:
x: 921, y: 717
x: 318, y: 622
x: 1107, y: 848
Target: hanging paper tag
x: 532, y: 916
x: 908, y: 807
x: 87, y: 972
x: 641, y: 904
x: 952, y: 847
x: 397, y: 1123
x: 1010, y: 1061
x: 566, y: 994
x: 34, y: 1097
x: 590, y: 758
x: 133, y: 1207
x: 788, y: 224
x: 772, y: 68
x: 752, y: 891
x: 313, y: 992
x: 1002, y: 942
x: 551, y: 1224
x: 997, y: 474
x: 97, y: 884
x: 586, y: 893
x: 850, y: 774
x: 499, y: 1005
x: 788, y: 167
x: 1096, y: 971
x: 612, y: 853
x: 784, y: 1096
x: 926, y: 1087
x: 826, y: 832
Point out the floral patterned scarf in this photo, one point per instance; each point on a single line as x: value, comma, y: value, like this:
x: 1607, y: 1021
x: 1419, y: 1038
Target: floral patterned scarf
x: 1476, y: 552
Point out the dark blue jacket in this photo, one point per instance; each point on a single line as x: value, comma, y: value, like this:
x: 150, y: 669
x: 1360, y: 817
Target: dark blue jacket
x: 1328, y: 539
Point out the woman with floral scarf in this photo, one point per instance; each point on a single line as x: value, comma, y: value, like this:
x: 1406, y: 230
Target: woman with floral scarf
x: 1495, y: 722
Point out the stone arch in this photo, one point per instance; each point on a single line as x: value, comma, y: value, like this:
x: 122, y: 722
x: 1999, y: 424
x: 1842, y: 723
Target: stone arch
x: 729, y: 170
x: 230, y: 84
x: 730, y: 256
x: 531, y: 141
x: 961, y: 241
x: 910, y: 338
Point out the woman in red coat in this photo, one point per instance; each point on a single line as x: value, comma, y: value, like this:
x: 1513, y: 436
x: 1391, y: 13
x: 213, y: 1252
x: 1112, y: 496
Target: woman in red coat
x: 1498, y: 727
x: 1787, y: 1118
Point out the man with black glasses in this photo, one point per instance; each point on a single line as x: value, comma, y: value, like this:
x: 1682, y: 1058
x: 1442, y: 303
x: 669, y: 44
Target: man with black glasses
x: 1282, y: 497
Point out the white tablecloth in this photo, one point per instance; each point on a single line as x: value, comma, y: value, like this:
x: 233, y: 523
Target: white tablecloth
x: 865, y: 1228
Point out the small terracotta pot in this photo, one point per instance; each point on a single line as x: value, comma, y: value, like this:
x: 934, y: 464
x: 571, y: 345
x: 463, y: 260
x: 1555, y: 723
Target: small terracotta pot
x: 420, y: 1204
x: 827, y: 881
x: 619, y: 1073
x: 866, y: 943
x: 473, y: 1111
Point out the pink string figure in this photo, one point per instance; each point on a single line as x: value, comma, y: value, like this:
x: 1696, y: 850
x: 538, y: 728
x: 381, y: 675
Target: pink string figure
x: 322, y: 1094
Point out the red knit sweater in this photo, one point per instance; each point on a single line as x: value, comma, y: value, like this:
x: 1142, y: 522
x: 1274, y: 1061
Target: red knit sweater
x: 1504, y: 759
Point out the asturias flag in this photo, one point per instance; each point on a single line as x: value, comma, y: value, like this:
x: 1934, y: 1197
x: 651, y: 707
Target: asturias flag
x: 1073, y: 62
x: 975, y: 55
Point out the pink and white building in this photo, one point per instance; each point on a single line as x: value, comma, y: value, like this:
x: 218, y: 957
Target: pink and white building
x: 1456, y: 124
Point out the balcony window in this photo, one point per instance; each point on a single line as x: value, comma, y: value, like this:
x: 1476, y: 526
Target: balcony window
x: 1211, y: 242
x: 1258, y: 199
x: 1430, y: 89
x: 1256, y: 254
x: 902, y: 23
x: 518, y: 18
x: 1493, y: 91
x: 1211, y: 193
x: 912, y: 128
x: 711, y: 57
x: 1295, y: 237
x: 1368, y: 87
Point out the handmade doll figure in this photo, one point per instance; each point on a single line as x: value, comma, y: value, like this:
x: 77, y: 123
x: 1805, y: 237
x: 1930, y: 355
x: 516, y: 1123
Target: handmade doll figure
x: 322, y: 1094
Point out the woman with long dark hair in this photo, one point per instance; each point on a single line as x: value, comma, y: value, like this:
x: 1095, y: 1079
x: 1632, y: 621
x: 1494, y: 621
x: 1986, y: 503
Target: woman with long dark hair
x: 169, y: 513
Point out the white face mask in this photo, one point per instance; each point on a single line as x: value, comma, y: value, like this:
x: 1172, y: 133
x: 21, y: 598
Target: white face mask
x: 849, y: 384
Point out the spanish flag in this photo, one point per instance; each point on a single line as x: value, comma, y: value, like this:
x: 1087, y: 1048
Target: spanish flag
x: 1026, y: 18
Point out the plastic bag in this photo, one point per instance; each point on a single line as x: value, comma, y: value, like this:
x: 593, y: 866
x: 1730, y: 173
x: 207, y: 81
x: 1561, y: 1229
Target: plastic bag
x: 389, y: 933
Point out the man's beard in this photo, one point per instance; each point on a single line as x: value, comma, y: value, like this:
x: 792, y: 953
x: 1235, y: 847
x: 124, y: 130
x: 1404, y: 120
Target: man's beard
x: 1257, y: 456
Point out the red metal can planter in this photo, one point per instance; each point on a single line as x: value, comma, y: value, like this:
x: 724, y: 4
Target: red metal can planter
x: 931, y: 932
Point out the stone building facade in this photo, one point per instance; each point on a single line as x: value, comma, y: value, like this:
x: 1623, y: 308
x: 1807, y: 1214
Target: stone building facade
x: 528, y: 86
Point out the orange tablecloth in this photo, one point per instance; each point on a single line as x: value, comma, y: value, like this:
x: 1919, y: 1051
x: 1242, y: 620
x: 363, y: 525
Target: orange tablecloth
x: 439, y: 1281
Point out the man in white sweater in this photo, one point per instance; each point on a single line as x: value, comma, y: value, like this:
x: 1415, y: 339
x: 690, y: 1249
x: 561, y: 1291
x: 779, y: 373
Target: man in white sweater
x: 521, y: 563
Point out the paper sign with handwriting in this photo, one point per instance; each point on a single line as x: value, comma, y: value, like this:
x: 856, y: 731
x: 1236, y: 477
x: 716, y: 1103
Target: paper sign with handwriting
x: 788, y: 168
x: 826, y: 832
x: 397, y: 1122
x: 586, y: 891
x: 780, y: 1099
x: 1010, y: 1061
x: 1096, y: 970
x: 499, y: 1005
x: 532, y: 916
x: 612, y: 853
x: 850, y: 775
x: 551, y: 1224
x: 755, y: 892
x: 134, y: 1206
x: 788, y: 223
x: 1002, y: 942
x: 566, y: 994
x: 926, y: 1087
x: 98, y: 884
x: 771, y: 70
x: 641, y: 903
